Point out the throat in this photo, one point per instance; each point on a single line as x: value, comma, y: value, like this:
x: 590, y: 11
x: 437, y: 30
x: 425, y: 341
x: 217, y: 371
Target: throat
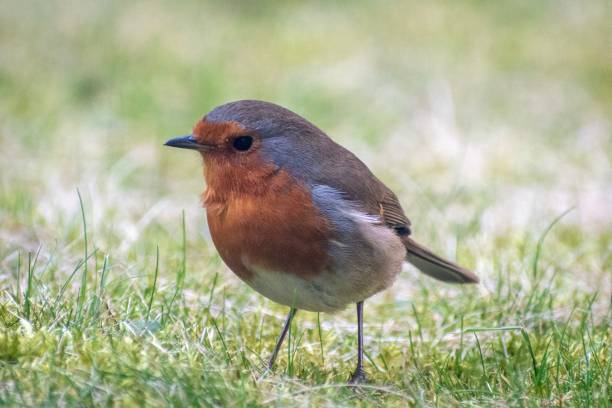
x: 226, y: 183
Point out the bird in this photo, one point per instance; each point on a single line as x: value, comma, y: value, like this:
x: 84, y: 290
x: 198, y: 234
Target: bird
x: 299, y: 218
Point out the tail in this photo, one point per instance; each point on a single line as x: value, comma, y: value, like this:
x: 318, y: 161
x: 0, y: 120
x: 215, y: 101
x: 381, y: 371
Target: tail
x: 434, y: 266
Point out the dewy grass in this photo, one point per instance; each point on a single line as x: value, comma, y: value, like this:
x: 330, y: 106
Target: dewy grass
x: 488, y: 120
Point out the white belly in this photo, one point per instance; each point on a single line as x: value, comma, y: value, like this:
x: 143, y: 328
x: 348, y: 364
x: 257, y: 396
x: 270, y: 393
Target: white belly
x: 316, y: 294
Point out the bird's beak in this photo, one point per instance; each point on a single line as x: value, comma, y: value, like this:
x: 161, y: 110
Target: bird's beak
x: 187, y: 142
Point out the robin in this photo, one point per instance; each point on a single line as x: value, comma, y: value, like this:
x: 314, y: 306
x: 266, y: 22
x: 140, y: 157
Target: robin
x: 301, y: 219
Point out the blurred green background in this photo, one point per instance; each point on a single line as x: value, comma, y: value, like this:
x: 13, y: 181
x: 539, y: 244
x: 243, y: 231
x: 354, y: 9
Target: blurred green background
x: 446, y: 96
x: 489, y: 119
x: 487, y: 112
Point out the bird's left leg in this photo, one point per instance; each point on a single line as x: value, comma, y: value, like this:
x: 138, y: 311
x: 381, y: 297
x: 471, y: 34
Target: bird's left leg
x: 359, y: 375
x: 281, y: 338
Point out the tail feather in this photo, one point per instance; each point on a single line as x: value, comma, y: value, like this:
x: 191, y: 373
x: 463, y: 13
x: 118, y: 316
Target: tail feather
x: 434, y: 266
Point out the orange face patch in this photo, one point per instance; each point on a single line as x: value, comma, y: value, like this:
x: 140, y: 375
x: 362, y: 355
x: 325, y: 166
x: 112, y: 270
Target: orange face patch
x: 223, y: 165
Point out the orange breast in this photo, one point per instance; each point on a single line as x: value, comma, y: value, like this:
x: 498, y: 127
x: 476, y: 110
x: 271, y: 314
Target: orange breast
x: 265, y: 220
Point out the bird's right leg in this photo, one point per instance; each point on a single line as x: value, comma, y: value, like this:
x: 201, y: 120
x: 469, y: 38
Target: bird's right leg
x: 359, y: 375
x: 281, y: 338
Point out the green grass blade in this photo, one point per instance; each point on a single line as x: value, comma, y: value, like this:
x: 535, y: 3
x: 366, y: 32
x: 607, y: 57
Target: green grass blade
x: 154, y: 286
x: 83, y: 287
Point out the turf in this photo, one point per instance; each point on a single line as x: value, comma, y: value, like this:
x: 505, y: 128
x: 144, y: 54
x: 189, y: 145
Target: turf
x: 491, y: 121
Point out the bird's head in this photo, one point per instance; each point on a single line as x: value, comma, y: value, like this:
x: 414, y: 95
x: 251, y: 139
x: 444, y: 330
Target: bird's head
x: 250, y: 139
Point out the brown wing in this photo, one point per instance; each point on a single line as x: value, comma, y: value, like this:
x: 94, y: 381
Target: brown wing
x: 317, y: 160
x: 343, y: 171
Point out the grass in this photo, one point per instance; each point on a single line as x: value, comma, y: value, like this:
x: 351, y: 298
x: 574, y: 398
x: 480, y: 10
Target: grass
x: 490, y: 121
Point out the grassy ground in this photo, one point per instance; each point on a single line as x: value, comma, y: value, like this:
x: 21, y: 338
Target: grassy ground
x: 490, y: 120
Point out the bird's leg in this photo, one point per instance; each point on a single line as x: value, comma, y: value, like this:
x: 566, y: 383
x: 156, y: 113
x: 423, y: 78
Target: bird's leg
x: 359, y: 375
x: 281, y: 338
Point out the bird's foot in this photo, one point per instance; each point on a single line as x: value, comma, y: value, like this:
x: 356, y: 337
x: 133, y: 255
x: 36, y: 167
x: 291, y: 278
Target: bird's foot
x: 265, y: 373
x: 265, y: 370
x: 358, y: 377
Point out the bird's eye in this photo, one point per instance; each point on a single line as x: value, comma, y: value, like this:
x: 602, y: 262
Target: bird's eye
x: 242, y: 143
